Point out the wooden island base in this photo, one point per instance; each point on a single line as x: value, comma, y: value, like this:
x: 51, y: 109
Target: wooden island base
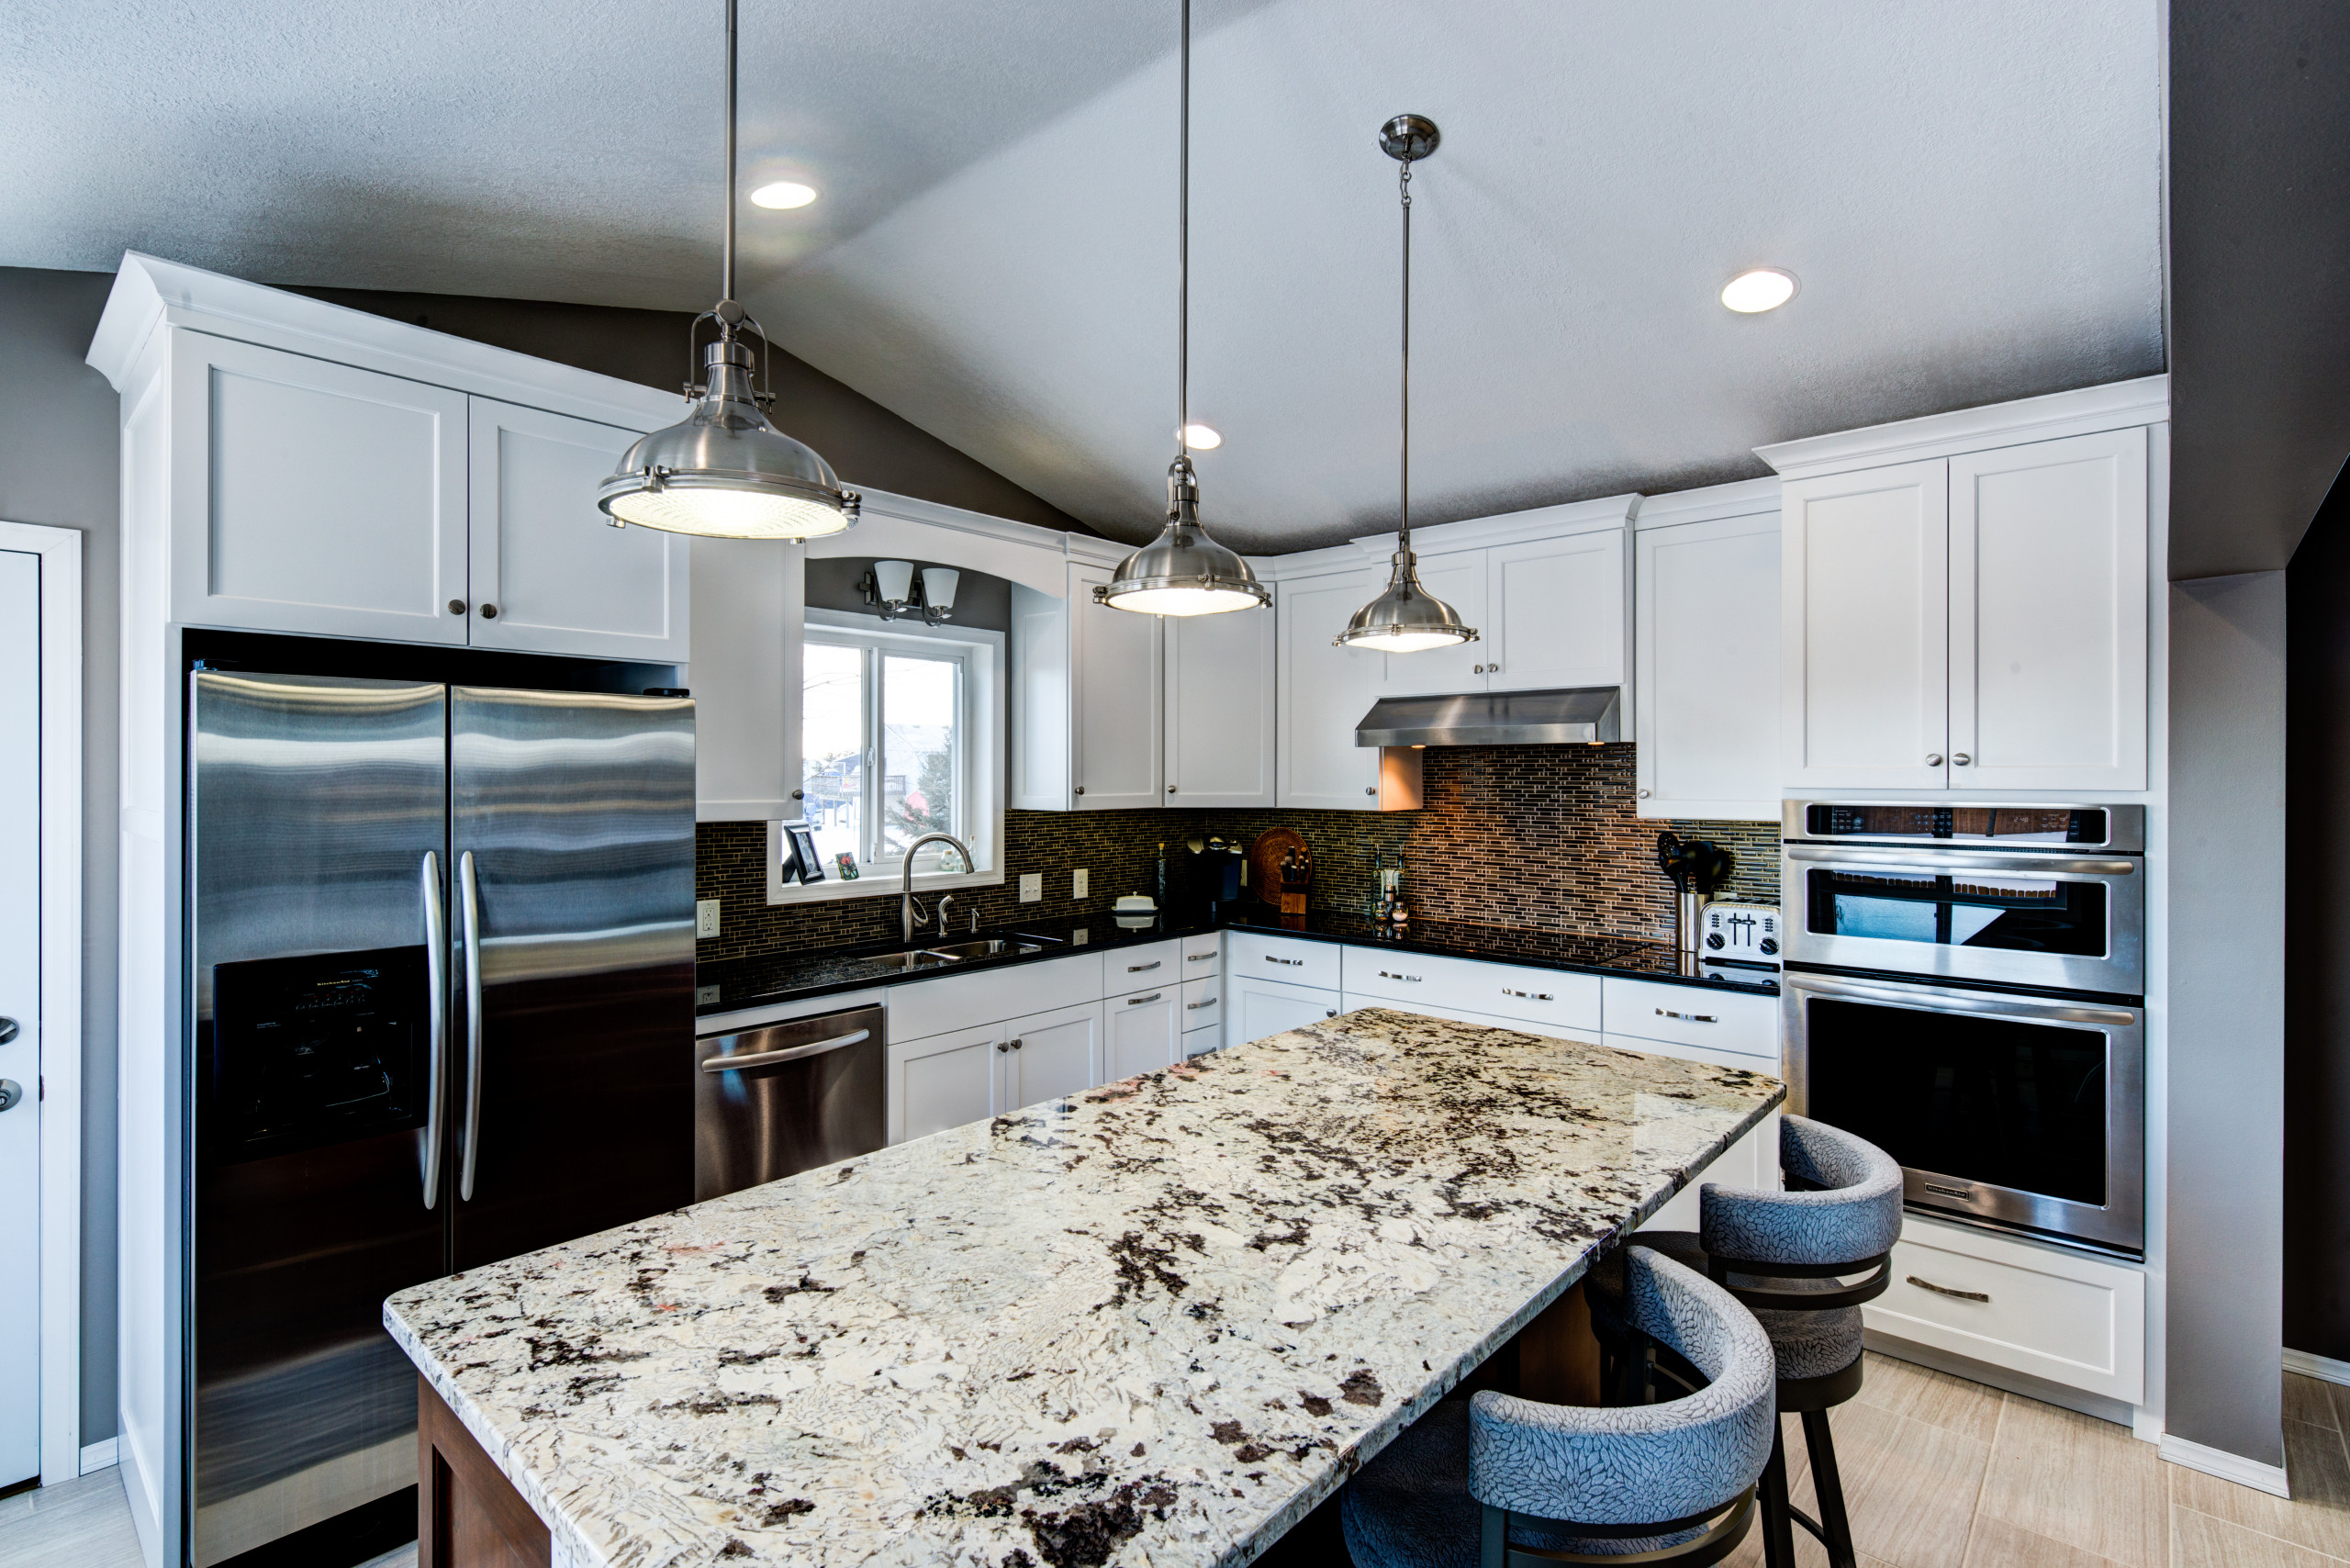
x: 467, y: 1514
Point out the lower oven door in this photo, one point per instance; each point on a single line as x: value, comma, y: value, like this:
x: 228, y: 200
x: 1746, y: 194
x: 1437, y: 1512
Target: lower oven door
x: 2010, y: 1110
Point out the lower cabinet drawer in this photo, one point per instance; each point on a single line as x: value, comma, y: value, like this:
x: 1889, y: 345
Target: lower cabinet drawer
x: 1144, y: 968
x: 1249, y: 956
x: 934, y: 1005
x: 1507, y: 990
x: 1694, y: 1015
x: 1202, y: 953
x: 1200, y: 1042
x: 2048, y: 1311
x: 1202, y: 1003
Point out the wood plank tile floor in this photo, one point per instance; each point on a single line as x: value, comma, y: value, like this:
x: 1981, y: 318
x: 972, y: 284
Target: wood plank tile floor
x: 1939, y: 1472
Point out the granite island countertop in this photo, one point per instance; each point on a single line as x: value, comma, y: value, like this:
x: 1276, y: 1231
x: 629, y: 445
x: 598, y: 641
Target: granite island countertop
x: 1153, y: 1324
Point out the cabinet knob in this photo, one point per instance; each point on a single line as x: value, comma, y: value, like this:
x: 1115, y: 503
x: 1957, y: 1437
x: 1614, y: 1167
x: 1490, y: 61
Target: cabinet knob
x: 1960, y: 759
x: 1933, y: 759
x: 1370, y: 788
x: 1015, y: 1045
x: 1644, y: 794
x: 1476, y: 669
x: 1170, y: 789
x: 489, y: 612
x: 798, y: 795
x: 457, y: 606
x: 1001, y: 1048
x: 1492, y: 670
x: 1081, y: 789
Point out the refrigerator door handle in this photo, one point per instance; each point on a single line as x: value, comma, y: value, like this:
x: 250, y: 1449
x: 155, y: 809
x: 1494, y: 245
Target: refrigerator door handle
x: 469, y: 890
x: 790, y: 1053
x: 436, y: 986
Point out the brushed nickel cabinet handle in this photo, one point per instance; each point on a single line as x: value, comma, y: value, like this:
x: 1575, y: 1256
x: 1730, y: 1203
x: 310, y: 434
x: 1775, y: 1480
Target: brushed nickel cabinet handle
x: 1689, y: 1017
x: 1199, y: 957
x: 1294, y: 963
x: 1945, y: 1290
x: 1138, y: 968
x: 1414, y: 979
x: 1195, y: 1006
x: 1138, y: 1001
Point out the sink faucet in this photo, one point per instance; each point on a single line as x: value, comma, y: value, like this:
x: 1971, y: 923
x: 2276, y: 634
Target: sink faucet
x: 910, y: 909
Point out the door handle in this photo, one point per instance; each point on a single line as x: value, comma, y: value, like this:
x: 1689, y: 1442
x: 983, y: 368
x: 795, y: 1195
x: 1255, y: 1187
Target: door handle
x: 1945, y: 1290
x: 436, y: 988
x: 790, y: 1053
x: 1292, y: 963
x: 469, y: 890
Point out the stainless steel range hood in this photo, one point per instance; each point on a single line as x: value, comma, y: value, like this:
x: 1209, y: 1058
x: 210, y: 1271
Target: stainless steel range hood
x: 1577, y: 717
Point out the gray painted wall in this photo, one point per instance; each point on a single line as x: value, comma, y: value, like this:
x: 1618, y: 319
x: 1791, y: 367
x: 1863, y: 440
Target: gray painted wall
x: 57, y: 466
x: 2225, y: 1296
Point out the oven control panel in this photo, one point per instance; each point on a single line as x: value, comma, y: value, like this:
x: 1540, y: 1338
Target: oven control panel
x: 1748, y: 930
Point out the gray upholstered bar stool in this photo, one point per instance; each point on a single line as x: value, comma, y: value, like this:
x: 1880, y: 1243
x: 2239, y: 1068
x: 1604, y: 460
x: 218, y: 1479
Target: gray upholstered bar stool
x: 1786, y: 1255
x: 1498, y: 1482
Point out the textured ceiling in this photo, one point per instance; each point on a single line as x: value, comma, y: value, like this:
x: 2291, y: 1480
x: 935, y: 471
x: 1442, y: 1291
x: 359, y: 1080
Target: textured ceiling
x: 1970, y: 194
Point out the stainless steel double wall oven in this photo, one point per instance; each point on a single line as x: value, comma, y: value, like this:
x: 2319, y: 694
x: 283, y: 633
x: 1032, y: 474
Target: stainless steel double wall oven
x: 1964, y: 988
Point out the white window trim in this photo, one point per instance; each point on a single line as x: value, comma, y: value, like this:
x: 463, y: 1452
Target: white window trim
x: 983, y: 764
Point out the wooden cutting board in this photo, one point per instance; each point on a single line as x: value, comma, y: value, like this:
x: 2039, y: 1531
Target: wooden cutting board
x: 1265, y: 857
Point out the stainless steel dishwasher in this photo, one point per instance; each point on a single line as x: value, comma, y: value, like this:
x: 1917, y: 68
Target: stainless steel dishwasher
x: 783, y: 1098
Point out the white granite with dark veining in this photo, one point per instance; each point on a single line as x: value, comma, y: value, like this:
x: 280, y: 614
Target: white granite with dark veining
x: 1155, y: 1324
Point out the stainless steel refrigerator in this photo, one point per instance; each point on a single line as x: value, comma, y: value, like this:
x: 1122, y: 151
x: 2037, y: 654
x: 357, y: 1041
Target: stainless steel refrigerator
x: 442, y: 941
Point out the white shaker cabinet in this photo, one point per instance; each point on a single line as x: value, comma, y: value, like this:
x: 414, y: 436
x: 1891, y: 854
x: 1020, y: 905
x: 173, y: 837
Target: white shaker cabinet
x: 749, y: 601
x: 550, y: 572
x: 316, y: 498
x: 1865, y: 607
x: 1220, y: 708
x: 1706, y: 708
x: 1555, y: 612
x: 943, y: 1080
x: 1254, y: 1008
x: 2048, y: 615
x: 1144, y: 1031
x: 1049, y: 1056
x: 1323, y: 693
x: 1088, y: 686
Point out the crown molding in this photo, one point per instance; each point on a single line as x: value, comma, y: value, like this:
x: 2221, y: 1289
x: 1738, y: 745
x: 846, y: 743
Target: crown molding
x: 2115, y: 406
x: 1744, y: 497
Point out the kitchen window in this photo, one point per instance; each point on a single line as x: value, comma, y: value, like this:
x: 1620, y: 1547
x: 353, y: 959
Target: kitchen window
x: 901, y: 734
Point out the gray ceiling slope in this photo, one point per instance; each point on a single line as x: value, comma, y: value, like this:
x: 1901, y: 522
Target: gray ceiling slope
x: 1970, y: 194
x: 559, y: 149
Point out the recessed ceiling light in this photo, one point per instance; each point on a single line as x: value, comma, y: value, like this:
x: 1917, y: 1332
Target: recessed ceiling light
x: 1200, y: 438
x: 1764, y: 288
x: 783, y: 195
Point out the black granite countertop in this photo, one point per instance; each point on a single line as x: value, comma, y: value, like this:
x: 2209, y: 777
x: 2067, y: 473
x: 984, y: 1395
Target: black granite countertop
x: 733, y: 984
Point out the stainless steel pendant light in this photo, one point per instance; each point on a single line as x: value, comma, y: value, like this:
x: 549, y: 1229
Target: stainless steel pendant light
x: 1183, y: 572
x: 725, y: 471
x: 1406, y: 619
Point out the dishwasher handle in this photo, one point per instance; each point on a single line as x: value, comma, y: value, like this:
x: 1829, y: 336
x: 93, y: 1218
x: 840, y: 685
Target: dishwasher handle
x: 792, y: 1053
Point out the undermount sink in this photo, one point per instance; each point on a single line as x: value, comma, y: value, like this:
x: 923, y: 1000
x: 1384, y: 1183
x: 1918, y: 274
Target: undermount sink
x: 910, y: 960
x: 986, y: 947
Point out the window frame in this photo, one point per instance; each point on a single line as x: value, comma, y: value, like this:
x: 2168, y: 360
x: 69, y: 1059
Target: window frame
x: 981, y: 734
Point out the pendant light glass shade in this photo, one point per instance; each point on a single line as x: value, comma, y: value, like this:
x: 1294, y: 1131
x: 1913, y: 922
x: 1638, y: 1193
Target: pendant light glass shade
x: 1406, y: 619
x: 724, y: 471
x: 1183, y: 572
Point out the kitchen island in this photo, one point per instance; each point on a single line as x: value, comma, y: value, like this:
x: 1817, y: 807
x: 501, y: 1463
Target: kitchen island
x: 1156, y: 1323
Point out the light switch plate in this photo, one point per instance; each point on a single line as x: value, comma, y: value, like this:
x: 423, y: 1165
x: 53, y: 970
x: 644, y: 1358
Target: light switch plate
x: 705, y: 917
x: 1032, y: 886
x: 1076, y: 884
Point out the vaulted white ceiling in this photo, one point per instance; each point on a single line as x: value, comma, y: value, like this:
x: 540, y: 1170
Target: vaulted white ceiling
x: 1971, y: 196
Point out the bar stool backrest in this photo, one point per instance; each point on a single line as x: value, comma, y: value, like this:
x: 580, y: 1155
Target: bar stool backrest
x: 1848, y: 1220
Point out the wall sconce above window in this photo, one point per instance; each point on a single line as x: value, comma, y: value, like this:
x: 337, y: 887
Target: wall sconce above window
x: 890, y: 588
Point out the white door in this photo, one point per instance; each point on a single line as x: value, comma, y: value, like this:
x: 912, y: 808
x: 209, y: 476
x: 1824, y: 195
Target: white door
x: 20, y: 1003
x: 2048, y: 615
x: 551, y: 575
x: 1556, y: 609
x: 1118, y: 690
x: 1144, y: 1030
x: 1707, y: 690
x: 942, y: 1081
x: 1864, y: 629
x: 311, y: 497
x: 1050, y: 1056
x: 1323, y: 693
x: 1254, y: 1008
x: 1459, y: 579
x: 1220, y: 708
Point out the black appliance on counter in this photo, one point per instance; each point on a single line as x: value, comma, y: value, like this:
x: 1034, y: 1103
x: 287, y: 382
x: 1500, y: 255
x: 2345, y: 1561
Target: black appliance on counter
x: 1963, y: 988
x: 441, y: 1012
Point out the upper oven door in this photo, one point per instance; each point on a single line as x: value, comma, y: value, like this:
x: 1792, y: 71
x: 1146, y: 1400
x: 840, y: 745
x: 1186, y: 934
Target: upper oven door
x: 2066, y: 921
x: 2009, y: 1109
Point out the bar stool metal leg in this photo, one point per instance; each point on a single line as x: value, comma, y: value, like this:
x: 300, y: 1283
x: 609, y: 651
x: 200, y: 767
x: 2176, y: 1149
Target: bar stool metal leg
x: 1778, y: 1533
x: 1828, y: 1490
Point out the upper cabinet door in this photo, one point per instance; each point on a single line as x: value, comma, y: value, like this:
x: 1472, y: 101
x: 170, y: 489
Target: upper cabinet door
x: 1220, y: 708
x: 550, y: 572
x: 1864, y: 629
x: 2048, y: 615
x: 1324, y: 692
x: 1707, y: 709
x: 1556, y: 613
x: 1459, y: 579
x: 1119, y: 686
x: 310, y: 497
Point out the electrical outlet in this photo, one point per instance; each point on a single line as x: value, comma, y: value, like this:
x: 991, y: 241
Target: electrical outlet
x: 705, y: 917
x: 1076, y: 884
x: 1032, y: 886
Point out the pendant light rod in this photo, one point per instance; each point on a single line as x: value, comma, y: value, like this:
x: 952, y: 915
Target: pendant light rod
x: 726, y: 284
x: 1182, y: 251
x: 1403, y: 183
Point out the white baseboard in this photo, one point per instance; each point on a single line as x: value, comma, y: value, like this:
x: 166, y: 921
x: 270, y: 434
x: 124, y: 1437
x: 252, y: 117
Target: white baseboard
x: 2325, y: 1369
x: 2268, y: 1478
x: 97, y: 1456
